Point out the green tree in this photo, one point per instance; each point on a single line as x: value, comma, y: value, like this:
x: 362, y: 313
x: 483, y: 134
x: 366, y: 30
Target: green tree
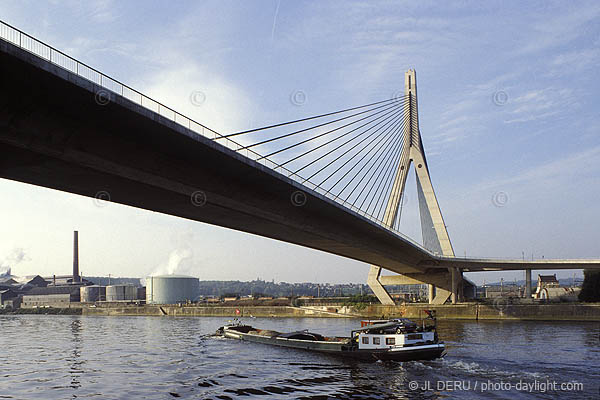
x: 590, y: 290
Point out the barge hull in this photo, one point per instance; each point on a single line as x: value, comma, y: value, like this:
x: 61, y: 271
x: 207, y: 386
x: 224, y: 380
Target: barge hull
x: 344, y: 349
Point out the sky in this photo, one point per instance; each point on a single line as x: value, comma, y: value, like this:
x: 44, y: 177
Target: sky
x: 508, y: 108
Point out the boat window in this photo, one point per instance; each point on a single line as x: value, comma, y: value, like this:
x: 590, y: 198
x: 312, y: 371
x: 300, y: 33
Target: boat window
x: 390, y: 340
x: 376, y: 340
x: 365, y: 340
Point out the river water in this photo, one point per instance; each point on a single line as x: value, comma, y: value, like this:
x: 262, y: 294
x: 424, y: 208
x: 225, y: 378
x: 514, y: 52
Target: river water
x: 67, y: 357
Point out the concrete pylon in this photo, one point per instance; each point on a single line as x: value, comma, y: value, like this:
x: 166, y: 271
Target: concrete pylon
x: 435, y: 235
x: 528, y: 283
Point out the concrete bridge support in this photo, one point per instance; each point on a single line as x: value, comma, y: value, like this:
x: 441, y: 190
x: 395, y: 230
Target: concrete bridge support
x: 430, y: 293
x: 374, y: 282
x: 435, y: 235
x: 528, y: 283
x: 456, y: 282
x: 441, y: 281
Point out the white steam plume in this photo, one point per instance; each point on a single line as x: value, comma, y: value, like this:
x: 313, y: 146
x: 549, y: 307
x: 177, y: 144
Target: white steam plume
x: 16, y: 256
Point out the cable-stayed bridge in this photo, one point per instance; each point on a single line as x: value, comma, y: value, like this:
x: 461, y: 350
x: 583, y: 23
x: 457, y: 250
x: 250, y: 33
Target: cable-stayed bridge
x: 332, y: 182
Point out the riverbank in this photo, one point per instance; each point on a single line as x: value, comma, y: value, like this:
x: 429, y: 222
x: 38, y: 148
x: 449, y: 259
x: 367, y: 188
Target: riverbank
x: 465, y: 311
x: 42, y: 311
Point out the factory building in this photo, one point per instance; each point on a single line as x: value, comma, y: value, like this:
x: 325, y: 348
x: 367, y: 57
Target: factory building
x: 51, y: 296
x: 6, y: 297
x: 171, y: 289
x: 22, y: 284
x: 61, y: 290
x: 61, y: 280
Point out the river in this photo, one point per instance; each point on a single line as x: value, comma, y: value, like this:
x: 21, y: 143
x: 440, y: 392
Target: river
x: 68, y: 357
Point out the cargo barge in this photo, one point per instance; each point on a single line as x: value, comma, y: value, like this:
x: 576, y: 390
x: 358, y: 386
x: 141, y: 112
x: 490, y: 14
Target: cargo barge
x: 386, y: 340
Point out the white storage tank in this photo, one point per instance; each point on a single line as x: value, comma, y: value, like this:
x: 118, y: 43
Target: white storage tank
x: 171, y: 289
x: 90, y: 294
x: 121, y: 292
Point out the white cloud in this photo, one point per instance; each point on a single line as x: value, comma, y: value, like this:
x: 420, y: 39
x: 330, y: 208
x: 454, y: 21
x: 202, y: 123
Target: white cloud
x: 201, y: 94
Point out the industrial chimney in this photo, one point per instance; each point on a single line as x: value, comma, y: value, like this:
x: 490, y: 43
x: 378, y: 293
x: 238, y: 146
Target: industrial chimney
x: 76, y: 278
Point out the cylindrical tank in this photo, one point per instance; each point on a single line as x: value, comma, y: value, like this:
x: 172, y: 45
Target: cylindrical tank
x: 90, y: 294
x: 121, y: 292
x: 171, y: 289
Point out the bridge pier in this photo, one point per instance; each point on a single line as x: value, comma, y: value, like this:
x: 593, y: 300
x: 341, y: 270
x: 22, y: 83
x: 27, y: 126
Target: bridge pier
x: 528, y: 283
x: 440, y: 284
x: 375, y: 284
x: 456, y: 279
x: 430, y: 293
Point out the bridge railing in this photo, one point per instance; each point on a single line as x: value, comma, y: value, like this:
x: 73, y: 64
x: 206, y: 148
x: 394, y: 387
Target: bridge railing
x: 108, y: 86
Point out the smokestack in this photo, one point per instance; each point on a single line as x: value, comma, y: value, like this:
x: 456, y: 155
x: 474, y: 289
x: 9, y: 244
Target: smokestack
x: 76, y: 278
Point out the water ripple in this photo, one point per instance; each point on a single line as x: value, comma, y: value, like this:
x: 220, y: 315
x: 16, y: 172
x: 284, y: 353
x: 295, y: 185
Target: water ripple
x: 58, y: 357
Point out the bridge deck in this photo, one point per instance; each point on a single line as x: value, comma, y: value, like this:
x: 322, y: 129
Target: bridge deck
x: 55, y: 133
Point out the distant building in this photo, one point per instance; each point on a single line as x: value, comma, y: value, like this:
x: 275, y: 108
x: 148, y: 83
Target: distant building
x: 548, y: 288
x: 13, y: 303
x: 21, y: 285
x: 6, y: 296
x: 547, y: 281
x: 495, y: 291
x: 406, y: 297
x: 33, y: 280
x: 558, y: 293
x: 62, y: 280
x: 8, y: 281
x: 52, y: 296
x: 141, y: 293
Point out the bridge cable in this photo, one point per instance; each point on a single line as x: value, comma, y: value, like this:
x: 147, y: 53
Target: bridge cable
x: 394, y: 112
x: 389, y: 134
x: 384, y: 162
x: 378, y: 185
x: 323, y: 124
x: 388, y: 186
x: 393, y: 99
x: 379, y: 149
x: 391, y: 172
x: 326, y: 133
x: 375, y: 162
x: 385, y: 131
x: 343, y: 154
